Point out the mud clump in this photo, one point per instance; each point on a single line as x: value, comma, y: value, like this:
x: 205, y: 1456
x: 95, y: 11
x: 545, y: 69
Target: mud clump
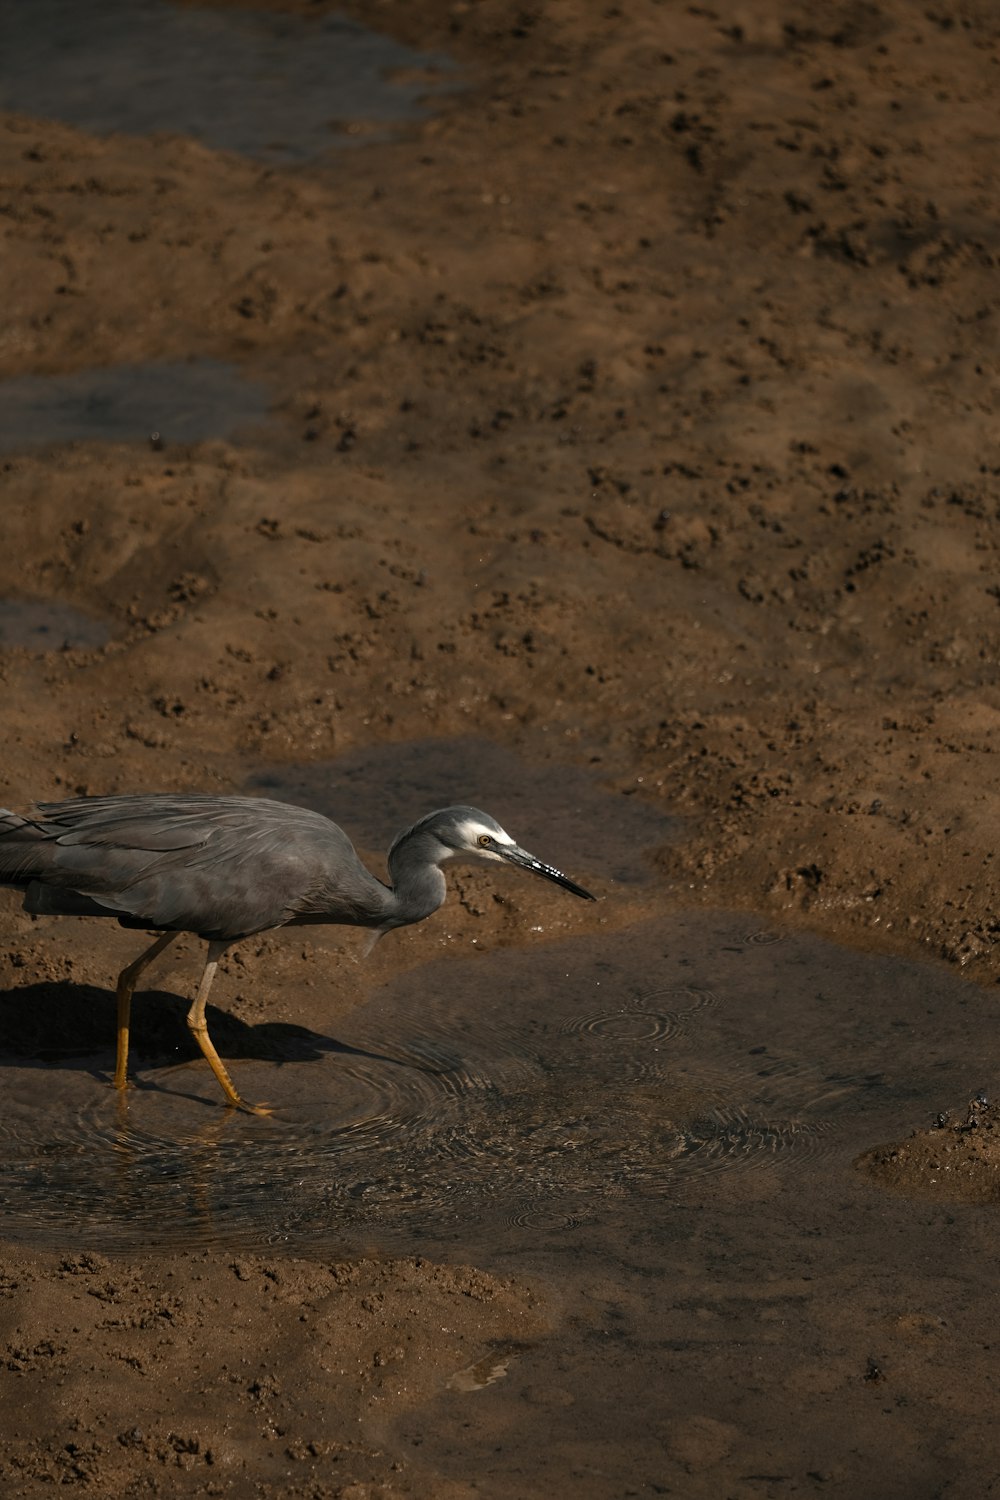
x: 957, y: 1160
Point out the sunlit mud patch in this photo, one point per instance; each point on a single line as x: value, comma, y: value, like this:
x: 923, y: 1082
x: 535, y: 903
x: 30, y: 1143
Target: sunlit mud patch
x: 561, y: 813
x: 269, y: 86
x: 957, y: 1160
x: 184, y: 402
x: 41, y: 625
x: 483, y: 1105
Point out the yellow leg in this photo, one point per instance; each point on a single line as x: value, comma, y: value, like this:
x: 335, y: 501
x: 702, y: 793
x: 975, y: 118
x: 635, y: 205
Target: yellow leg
x: 199, y: 1027
x: 124, y: 989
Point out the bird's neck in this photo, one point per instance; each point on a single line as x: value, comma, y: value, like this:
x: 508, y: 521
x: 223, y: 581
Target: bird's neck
x: 418, y: 886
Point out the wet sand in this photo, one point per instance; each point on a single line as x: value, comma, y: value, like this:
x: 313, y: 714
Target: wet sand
x: 630, y: 469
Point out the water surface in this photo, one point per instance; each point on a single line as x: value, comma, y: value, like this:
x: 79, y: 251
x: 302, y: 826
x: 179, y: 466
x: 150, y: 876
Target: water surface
x: 488, y: 1101
x: 49, y: 625
x: 184, y: 401
x: 275, y: 87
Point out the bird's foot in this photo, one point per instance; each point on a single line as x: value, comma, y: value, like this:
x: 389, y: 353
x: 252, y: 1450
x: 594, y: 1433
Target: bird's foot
x: 252, y: 1109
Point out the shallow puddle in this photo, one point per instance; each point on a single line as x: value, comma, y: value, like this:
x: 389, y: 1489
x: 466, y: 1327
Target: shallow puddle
x: 49, y: 625
x: 500, y: 1100
x: 278, y: 87
x: 184, y: 402
x: 660, y: 1123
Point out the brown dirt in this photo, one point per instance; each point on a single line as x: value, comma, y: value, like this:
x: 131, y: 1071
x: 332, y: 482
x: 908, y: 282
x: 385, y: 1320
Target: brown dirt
x: 958, y: 1161
x: 636, y: 411
x: 209, y: 1374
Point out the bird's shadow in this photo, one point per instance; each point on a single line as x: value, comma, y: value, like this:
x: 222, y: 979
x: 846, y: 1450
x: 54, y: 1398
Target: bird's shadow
x: 74, y: 1024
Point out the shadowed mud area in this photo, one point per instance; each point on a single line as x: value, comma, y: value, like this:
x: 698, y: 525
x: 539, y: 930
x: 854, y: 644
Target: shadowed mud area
x: 609, y: 442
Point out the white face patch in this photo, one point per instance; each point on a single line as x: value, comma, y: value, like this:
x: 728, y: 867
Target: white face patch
x: 471, y: 831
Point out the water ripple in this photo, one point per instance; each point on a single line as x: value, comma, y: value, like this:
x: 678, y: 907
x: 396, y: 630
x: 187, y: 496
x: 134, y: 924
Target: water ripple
x: 634, y: 1022
x: 455, y: 1117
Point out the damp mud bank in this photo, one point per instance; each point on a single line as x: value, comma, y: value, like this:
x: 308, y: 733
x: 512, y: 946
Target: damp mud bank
x: 611, y: 444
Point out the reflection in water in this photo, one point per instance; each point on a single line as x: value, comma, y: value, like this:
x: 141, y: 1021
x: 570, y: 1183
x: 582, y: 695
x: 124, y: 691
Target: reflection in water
x: 48, y: 625
x: 182, y: 402
x: 483, y: 1372
x: 269, y: 86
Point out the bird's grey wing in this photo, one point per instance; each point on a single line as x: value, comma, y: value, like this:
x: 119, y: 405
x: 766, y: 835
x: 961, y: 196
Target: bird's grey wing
x: 222, y: 867
x: 224, y: 887
x: 154, y: 822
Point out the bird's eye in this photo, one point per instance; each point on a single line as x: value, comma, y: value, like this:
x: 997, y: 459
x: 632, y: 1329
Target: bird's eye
x: 484, y: 841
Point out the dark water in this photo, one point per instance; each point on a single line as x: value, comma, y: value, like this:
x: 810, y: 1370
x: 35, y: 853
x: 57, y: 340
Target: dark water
x: 280, y: 88
x: 48, y: 625
x: 181, y: 402
x: 499, y: 1100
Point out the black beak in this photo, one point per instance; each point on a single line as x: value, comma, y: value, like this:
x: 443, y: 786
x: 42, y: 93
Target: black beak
x: 526, y: 861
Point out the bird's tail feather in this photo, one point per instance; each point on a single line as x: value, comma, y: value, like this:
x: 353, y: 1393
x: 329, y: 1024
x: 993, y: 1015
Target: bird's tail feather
x: 26, y: 862
x: 23, y: 849
x: 49, y: 901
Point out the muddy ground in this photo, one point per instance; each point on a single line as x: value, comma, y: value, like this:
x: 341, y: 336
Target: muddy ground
x: 636, y: 412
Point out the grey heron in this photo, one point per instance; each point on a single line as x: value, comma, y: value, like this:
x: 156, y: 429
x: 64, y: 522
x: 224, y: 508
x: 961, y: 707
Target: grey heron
x: 226, y: 868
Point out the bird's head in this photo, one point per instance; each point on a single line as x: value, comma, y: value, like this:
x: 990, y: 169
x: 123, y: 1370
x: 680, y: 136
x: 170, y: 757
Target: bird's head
x: 471, y: 834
